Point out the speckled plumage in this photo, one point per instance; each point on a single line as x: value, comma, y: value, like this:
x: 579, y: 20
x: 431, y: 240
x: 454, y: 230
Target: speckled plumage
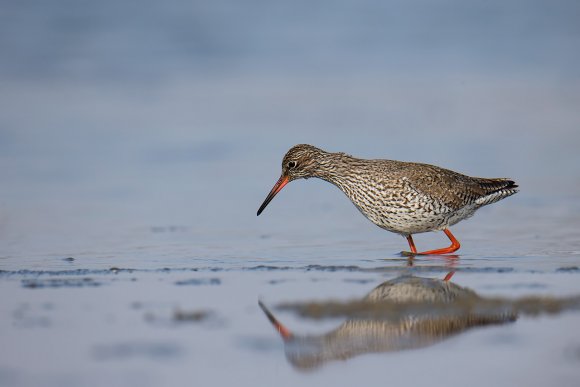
x: 401, y: 197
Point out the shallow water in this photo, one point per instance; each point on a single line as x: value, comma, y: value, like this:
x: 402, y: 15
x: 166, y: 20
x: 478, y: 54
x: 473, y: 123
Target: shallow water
x: 137, y: 145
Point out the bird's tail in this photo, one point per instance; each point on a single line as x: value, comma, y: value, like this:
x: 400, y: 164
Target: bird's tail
x: 495, y: 190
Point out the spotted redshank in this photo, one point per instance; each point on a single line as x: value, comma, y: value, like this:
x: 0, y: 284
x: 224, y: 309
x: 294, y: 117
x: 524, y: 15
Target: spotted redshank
x: 401, y: 197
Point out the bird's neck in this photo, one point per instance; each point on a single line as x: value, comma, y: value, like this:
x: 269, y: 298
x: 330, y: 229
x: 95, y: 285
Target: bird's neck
x: 334, y: 168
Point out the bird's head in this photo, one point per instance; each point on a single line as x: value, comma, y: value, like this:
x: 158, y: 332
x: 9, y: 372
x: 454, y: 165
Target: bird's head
x: 300, y: 162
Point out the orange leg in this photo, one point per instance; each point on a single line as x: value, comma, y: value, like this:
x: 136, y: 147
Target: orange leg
x: 454, y: 246
x: 412, y: 244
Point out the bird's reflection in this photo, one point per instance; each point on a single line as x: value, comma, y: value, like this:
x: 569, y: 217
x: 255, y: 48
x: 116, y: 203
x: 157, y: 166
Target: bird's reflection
x: 411, y: 312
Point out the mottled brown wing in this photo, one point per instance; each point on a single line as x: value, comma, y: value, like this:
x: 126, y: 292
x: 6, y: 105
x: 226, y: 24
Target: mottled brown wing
x: 453, y: 189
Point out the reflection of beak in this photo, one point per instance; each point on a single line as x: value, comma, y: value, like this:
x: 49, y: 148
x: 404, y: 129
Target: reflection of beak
x: 282, y: 181
x: 284, y: 332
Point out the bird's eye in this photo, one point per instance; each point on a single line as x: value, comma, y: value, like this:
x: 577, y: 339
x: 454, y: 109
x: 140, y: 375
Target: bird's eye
x: 291, y: 164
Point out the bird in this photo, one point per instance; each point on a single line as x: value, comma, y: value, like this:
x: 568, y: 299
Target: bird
x: 402, y: 197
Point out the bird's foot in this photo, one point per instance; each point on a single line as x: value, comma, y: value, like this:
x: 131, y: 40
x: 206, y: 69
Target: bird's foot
x: 447, y: 250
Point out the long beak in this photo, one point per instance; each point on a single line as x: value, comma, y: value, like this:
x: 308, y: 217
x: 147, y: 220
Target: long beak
x: 282, y: 181
x: 284, y: 332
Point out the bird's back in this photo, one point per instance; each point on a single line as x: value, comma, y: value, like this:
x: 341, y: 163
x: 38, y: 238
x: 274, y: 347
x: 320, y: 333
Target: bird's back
x: 454, y: 189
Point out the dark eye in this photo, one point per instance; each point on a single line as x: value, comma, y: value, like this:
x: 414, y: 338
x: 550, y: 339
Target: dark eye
x: 291, y: 164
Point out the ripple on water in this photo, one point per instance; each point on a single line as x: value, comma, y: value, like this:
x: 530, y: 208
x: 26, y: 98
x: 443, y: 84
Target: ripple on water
x: 568, y: 269
x: 410, y: 266
x: 60, y: 283
x: 199, y: 281
x: 130, y: 350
